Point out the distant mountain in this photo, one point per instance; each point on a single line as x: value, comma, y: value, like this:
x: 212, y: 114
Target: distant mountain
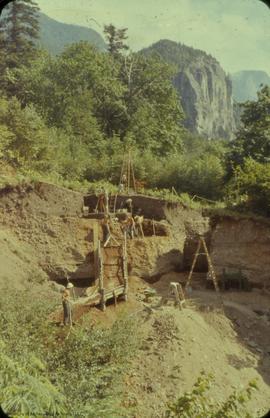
x: 204, y: 88
x: 247, y: 83
x: 55, y: 36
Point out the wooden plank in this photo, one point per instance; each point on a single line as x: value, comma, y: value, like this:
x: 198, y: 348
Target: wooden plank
x: 111, y: 264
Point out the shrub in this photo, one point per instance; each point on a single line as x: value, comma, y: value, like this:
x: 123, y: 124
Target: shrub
x: 46, y: 370
x: 249, y: 189
x: 197, y: 402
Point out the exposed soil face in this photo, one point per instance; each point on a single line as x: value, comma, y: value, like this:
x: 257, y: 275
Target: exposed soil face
x: 42, y: 233
x: 242, y: 244
x: 41, y: 198
x: 43, y: 229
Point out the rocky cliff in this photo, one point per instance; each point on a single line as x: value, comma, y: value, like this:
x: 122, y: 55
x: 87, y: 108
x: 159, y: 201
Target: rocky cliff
x: 204, y: 88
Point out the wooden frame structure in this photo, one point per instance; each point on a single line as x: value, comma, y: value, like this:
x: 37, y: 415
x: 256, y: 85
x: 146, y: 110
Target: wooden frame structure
x: 127, y: 170
x: 122, y: 289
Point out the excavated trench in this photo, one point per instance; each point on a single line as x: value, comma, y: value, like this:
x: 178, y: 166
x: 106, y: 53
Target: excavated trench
x: 171, y: 237
x: 43, y: 230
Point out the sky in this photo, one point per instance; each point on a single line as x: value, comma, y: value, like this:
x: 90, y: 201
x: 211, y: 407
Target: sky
x: 235, y: 32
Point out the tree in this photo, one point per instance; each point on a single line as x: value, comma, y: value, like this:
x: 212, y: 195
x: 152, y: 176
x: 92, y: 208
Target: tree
x: 55, y: 85
x: 91, y: 91
x: 6, y: 135
x: 116, y: 40
x: 154, y: 112
x: 249, y: 188
x: 20, y: 28
x: 2, y: 48
x: 253, y: 137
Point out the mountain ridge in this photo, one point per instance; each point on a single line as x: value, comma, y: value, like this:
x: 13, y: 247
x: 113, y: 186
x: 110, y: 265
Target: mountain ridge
x: 246, y: 83
x: 55, y: 35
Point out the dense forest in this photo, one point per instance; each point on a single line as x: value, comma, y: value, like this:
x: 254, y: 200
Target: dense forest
x: 71, y: 117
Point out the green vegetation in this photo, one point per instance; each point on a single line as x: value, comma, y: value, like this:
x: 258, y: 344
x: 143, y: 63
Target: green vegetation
x: 177, y: 54
x: 116, y: 40
x: 249, y: 187
x: 46, y: 370
x: 248, y: 160
x: 253, y: 138
x: 197, y: 403
x: 69, y: 119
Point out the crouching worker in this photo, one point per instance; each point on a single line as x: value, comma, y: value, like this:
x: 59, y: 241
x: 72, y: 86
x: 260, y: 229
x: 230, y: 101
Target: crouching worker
x: 67, y: 307
x: 128, y: 227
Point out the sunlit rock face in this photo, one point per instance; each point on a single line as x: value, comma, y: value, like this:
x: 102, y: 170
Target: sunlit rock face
x: 204, y: 88
x: 206, y: 94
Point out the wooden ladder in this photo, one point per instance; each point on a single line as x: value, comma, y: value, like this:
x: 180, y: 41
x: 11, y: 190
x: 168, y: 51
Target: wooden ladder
x: 128, y: 170
x: 202, y: 244
x: 112, y: 203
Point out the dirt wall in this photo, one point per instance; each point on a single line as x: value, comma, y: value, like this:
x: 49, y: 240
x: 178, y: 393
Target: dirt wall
x: 242, y: 244
x: 152, y: 207
x: 42, y: 230
x: 41, y: 198
x: 42, y: 234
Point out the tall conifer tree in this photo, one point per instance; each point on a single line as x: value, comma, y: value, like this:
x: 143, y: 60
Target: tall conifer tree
x: 20, y: 29
x: 116, y: 40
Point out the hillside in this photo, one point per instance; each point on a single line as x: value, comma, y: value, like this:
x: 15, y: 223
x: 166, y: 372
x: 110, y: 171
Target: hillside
x: 44, y: 236
x: 55, y: 36
x: 247, y: 83
x: 204, y: 88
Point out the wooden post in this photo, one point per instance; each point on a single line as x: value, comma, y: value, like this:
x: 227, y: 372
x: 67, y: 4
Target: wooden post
x: 125, y: 272
x: 128, y: 169
x: 101, y: 278
x: 133, y: 178
x: 95, y: 245
x: 115, y: 298
x: 114, y: 206
x: 122, y: 172
x: 154, y: 229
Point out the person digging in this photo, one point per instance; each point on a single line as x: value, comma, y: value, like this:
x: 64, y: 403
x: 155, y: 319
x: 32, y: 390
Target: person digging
x: 67, y: 306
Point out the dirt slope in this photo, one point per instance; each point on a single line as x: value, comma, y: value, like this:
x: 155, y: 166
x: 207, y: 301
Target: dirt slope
x: 178, y: 345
